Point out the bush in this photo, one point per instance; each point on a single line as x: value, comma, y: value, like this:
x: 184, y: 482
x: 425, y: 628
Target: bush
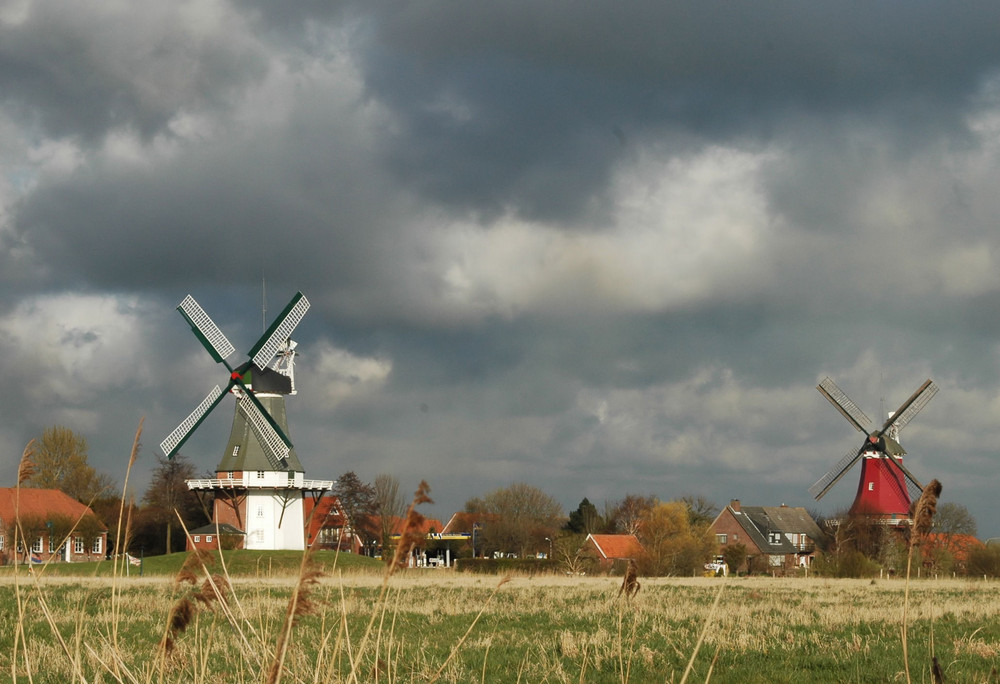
x: 845, y: 564
x: 984, y: 560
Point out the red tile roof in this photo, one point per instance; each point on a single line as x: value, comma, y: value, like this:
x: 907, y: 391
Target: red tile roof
x: 611, y: 546
x: 40, y: 502
x: 958, y: 545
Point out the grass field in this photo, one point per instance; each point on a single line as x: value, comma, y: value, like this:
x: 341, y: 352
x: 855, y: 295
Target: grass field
x: 435, y: 625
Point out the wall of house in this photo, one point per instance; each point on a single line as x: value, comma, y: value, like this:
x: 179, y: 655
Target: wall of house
x: 75, y: 551
x: 726, y: 524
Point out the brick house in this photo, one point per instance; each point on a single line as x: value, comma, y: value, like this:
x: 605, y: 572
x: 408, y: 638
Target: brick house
x: 55, y: 526
x: 778, y: 539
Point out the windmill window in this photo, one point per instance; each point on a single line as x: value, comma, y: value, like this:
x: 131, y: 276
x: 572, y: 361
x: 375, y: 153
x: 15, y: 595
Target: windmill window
x: 236, y: 450
x: 260, y: 511
x: 260, y: 474
x: 871, y: 486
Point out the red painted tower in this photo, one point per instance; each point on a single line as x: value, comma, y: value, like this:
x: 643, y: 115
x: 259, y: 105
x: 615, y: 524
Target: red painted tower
x: 882, y: 489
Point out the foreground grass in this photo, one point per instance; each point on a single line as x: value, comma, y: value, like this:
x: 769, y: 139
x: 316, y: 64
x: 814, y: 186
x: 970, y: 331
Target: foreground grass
x: 542, y: 629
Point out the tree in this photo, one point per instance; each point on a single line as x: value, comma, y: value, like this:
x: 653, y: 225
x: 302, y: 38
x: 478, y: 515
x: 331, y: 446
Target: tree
x: 585, y: 519
x: 61, y: 463
x: 389, y: 506
x: 734, y: 555
x: 522, y: 517
x: 701, y: 511
x: 168, y: 492
x: 357, y: 500
x: 953, y: 519
x: 672, y: 545
x: 625, y: 516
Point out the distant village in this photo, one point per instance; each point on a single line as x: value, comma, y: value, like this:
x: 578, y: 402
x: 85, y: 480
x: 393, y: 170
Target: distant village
x: 258, y: 498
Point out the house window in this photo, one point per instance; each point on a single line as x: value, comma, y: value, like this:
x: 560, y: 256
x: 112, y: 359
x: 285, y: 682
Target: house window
x: 77, y: 545
x: 774, y: 538
x: 36, y: 546
x: 197, y: 538
x: 721, y: 538
x: 50, y: 544
x: 1, y: 542
x: 96, y: 548
x: 736, y: 537
x: 208, y: 538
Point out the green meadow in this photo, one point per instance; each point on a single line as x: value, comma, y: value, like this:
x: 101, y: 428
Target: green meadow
x: 348, y: 622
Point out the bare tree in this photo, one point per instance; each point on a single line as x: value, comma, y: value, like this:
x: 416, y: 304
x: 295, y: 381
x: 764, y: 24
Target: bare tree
x: 167, y: 492
x: 389, y: 505
x: 522, y: 517
x: 624, y: 517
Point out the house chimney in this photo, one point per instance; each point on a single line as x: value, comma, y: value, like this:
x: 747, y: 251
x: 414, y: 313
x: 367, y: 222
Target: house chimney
x: 735, y: 505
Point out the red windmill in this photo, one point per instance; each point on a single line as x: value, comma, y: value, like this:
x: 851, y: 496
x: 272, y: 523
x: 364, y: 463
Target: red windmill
x: 886, y: 487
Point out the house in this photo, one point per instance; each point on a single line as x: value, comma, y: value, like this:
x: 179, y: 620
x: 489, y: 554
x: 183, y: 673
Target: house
x: 54, y: 525
x: 608, y: 548
x: 777, y: 538
x: 958, y: 546
x: 211, y: 537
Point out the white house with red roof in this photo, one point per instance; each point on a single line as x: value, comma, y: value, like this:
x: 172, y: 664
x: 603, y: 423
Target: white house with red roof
x: 49, y: 524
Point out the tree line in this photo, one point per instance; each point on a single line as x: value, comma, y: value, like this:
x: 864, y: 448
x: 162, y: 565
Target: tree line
x: 517, y: 520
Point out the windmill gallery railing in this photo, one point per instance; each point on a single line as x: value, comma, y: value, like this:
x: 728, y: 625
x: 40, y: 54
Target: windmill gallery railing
x: 248, y: 483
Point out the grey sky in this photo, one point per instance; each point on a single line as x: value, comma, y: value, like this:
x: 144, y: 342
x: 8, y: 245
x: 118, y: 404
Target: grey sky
x: 603, y: 249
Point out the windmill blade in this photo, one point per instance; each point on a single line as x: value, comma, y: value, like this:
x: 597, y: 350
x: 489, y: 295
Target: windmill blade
x: 267, y: 346
x: 180, y: 434
x: 206, y: 330
x: 273, y: 443
x: 855, y: 416
x: 911, y: 407
x: 263, y: 414
x: 913, y: 486
x: 823, y: 484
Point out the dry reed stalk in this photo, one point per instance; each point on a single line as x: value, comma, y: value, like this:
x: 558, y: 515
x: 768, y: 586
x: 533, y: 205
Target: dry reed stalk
x: 25, y: 469
x: 704, y: 631
x: 116, y: 567
x: 458, y: 644
x: 412, y: 534
x: 215, y: 590
x: 300, y: 603
x: 923, y: 520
